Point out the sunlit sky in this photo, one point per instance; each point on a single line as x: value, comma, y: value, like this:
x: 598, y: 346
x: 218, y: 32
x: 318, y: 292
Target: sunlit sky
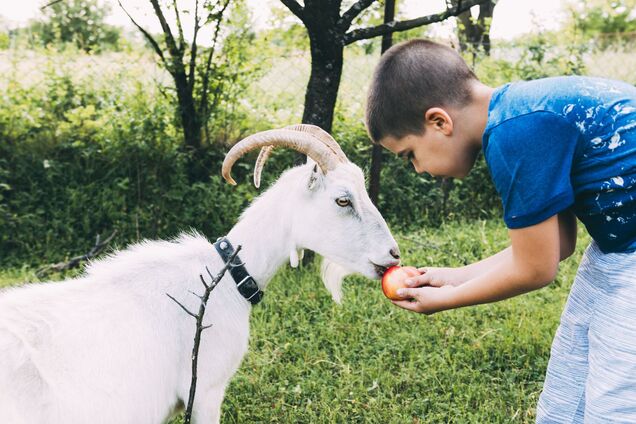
x: 511, y: 18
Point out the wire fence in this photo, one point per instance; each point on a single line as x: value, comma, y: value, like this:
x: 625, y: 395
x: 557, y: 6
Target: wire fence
x: 277, y: 93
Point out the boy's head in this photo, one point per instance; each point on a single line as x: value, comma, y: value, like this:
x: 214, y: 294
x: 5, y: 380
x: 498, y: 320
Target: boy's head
x: 414, y: 87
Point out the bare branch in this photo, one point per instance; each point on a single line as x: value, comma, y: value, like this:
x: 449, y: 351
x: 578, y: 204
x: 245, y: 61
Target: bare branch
x: 200, y: 297
x: 200, y: 327
x: 75, y: 261
x: 193, y: 47
x: 182, y: 307
x: 396, y: 26
x: 206, y: 75
x: 51, y: 4
x: 203, y: 281
x: 179, y: 26
x: 295, y: 8
x: 170, y: 42
x: 347, y: 18
x: 146, y: 34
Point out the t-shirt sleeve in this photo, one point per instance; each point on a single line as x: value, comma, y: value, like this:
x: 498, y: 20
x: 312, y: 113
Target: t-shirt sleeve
x: 530, y: 159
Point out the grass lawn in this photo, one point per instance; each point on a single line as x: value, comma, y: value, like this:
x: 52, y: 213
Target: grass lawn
x: 313, y: 361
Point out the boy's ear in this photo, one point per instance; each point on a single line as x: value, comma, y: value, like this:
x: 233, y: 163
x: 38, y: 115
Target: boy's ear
x: 438, y: 119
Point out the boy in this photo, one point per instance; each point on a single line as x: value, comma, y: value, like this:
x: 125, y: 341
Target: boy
x: 557, y: 149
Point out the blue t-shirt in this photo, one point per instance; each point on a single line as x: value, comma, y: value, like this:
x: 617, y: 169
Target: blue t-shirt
x: 566, y: 142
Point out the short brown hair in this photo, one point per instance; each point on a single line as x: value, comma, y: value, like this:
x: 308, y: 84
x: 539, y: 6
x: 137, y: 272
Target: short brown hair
x: 411, y: 78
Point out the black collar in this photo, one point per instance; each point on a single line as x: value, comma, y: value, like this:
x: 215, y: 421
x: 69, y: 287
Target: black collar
x: 244, y: 281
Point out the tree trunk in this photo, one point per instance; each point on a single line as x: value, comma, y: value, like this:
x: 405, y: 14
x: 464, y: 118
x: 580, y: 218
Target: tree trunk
x: 322, y: 88
x: 187, y: 112
x: 376, y: 152
x: 327, y: 57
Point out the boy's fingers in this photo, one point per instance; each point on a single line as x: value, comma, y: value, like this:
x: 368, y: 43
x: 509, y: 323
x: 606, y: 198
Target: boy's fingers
x: 420, y: 280
x: 436, y: 283
x: 423, y: 269
x: 407, y: 293
x: 406, y: 304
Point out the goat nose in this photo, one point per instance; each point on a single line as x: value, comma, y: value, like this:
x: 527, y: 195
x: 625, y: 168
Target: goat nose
x: 395, y: 252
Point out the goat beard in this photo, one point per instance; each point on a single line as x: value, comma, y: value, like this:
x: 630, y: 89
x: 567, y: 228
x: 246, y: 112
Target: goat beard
x: 333, y: 275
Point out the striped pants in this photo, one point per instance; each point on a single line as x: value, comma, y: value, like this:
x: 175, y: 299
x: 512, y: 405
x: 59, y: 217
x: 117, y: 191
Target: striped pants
x: 591, y: 375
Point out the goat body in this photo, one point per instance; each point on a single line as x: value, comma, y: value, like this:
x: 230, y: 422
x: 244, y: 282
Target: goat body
x: 111, y: 347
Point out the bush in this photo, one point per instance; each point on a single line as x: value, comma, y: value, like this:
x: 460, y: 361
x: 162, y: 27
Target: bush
x: 82, y: 157
x: 83, y: 153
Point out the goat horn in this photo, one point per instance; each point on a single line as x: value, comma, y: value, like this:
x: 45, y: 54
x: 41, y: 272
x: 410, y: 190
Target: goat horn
x: 323, y: 136
x: 315, y: 131
x: 260, y: 163
x: 303, y: 142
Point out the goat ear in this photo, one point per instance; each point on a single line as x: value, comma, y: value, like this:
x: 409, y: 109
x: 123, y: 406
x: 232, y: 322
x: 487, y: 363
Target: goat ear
x: 315, y: 178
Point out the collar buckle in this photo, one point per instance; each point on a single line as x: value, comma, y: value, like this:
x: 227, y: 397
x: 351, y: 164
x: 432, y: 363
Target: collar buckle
x: 245, y: 284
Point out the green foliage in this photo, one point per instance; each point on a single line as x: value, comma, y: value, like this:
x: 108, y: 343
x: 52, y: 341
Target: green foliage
x: 537, y: 57
x: 233, y: 69
x: 5, y: 41
x: 282, y: 36
x: 77, y: 22
x: 87, y: 152
x: 593, y: 17
x: 81, y: 157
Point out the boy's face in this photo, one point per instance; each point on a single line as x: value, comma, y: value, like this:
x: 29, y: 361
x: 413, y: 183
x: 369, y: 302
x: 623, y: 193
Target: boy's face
x: 438, y: 151
x: 412, y: 148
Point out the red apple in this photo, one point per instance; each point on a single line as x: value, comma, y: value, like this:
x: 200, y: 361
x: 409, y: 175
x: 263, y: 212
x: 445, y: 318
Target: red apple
x: 394, y: 278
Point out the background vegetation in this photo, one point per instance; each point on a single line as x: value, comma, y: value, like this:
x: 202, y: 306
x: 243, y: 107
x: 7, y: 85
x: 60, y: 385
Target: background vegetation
x: 90, y: 141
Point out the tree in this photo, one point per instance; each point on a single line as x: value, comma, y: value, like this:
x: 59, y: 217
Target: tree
x: 475, y: 32
x: 179, y: 58
x: 329, y: 32
x: 376, y: 151
x: 78, y: 22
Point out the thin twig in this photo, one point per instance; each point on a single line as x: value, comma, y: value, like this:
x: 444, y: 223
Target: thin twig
x: 193, y: 46
x: 51, y: 4
x: 179, y: 26
x: 150, y: 38
x: 206, y: 75
x: 295, y: 8
x: 347, y: 18
x: 200, y: 327
x: 77, y: 260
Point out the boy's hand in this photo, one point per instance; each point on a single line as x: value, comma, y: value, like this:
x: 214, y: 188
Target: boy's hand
x: 426, y: 300
x: 436, y: 277
x: 530, y: 263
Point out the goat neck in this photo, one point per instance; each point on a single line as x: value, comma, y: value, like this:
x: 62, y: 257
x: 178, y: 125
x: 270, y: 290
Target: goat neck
x: 265, y: 229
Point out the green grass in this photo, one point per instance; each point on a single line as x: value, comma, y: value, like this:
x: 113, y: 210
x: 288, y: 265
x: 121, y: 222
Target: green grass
x: 366, y: 361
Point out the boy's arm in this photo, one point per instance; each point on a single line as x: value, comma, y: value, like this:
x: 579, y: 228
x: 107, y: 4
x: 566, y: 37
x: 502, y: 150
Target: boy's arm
x: 455, y: 276
x: 531, y: 263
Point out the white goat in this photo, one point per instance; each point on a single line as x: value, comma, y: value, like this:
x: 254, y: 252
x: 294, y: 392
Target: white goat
x: 111, y: 347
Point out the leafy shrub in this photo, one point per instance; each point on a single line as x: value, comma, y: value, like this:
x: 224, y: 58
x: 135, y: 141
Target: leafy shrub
x: 81, y: 155
x: 76, y: 22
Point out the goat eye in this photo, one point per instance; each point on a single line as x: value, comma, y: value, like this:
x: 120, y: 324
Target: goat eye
x: 343, y: 202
